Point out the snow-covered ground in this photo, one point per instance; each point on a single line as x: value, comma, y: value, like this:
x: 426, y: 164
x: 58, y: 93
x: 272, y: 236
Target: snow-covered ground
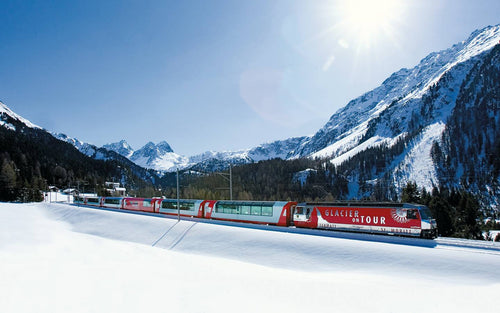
x: 61, y: 258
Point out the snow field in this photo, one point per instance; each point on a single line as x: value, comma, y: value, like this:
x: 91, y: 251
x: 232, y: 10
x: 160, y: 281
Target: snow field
x: 61, y: 258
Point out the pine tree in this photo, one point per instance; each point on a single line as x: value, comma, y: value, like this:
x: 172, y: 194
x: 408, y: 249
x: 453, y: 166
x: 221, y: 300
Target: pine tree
x: 410, y: 193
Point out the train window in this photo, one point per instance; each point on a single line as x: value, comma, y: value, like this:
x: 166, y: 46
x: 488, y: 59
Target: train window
x: 299, y: 210
x: 411, y: 214
x: 256, y: 210
x: 245, y: 209
x: 112, y: 201
x: 227, y: 208
x: 267, y: 211
x: 168, y: 205
x: 425, y: 213
x: 93, y: 200
x: 184, y: 205
x: 146, y: 203
x: 187, y: 206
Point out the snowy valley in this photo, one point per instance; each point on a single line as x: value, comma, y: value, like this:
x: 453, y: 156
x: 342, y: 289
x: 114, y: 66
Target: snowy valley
x: 58, y: 258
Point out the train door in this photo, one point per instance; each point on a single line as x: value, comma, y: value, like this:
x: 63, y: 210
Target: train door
x: 201, y: 209
x: 289, y: 217
x: 301, y: 215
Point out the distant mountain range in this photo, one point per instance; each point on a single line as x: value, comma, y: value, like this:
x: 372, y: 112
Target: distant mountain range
x: 161, y: 157
x: 437, y: 124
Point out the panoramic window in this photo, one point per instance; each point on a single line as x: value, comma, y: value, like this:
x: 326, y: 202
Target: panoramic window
x: 112, y: 201
x: 245, y: 208
x: 184, y: 205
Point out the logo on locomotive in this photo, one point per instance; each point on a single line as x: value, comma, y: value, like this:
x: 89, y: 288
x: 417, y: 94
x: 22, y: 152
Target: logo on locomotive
x: 399, y: 216
x: 356, y: 218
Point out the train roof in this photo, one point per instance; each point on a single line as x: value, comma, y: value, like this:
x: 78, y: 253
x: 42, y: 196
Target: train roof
x: 248, y: 202
x: 362, y: 204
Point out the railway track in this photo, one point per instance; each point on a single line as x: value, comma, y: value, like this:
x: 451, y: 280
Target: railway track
x: 458, y: 243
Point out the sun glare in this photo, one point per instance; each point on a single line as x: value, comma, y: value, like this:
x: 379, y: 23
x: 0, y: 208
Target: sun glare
x: 368, y: 20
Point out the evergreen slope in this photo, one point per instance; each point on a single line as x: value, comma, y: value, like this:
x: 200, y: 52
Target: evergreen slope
x: 31, y: 159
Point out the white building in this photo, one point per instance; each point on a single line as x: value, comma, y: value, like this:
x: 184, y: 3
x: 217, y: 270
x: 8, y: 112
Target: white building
x: 115, y: 190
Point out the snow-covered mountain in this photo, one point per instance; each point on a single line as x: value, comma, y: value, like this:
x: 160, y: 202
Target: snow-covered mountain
x: 157, y: 156
x: 406, y: 117
x: 161, y: 156
x: 7, y: 116
x: 122, y: 148
x: 216, y: 161
x: 398, y: 98
x: 390, y: 135
x: 85, y: 148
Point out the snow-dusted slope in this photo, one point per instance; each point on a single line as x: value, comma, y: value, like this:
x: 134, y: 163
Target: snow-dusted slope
x: 122, y: 148
x: 212, y: 160
x: 412, y: 105
x: 6, y: 113
x: 83, y: 147
x: 157, y: 156
x: 60, y: 258
x: 402, y: 93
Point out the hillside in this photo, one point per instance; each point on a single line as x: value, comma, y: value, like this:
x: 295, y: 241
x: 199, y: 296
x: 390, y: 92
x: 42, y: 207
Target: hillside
x: 31, y: 159
x: 409, y: 129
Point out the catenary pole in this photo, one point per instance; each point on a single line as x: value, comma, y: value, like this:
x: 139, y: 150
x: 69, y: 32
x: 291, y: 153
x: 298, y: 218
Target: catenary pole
x: 178, y: 205
x: 230, y: 182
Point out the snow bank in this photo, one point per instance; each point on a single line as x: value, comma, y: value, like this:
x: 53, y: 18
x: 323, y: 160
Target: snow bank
x: 61, y: 258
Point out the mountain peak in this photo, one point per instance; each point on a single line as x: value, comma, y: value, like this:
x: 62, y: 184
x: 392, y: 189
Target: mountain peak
x: 158, y: 156
x: 122, y: 147
x: 164, y: 147
x: 160, y: 148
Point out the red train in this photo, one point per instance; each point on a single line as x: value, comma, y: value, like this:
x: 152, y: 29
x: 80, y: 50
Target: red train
x: 370, y: 217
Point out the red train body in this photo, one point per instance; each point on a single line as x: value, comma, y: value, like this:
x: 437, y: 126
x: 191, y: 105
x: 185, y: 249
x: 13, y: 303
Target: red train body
x: 383, y: 218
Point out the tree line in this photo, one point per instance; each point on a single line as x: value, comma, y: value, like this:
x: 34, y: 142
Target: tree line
x: 458, y: 213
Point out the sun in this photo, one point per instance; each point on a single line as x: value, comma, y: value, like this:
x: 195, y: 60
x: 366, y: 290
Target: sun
x: 367, y: 21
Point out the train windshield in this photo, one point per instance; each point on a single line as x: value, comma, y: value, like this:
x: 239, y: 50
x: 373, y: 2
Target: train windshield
x: 425, y: 213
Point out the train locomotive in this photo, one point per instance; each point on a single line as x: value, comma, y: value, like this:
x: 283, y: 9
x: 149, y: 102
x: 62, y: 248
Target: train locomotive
x: 369, y: 217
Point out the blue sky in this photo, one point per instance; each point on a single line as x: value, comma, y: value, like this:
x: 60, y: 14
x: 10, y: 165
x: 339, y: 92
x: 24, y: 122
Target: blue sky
x: 212, y: 75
